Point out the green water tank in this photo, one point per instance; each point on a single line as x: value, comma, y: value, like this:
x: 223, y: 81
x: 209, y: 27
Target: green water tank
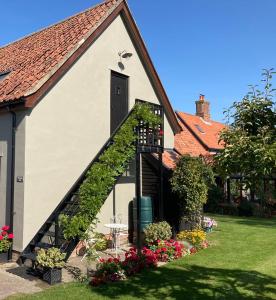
x: 146, y: 212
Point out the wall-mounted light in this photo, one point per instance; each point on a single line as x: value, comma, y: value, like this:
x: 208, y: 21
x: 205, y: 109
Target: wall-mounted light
x: 124, y: 54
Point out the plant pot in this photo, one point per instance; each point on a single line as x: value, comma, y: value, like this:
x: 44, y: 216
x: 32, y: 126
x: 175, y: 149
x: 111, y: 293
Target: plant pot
x: 4, y: 257
x: 208, y: 229
x: 52, y: 276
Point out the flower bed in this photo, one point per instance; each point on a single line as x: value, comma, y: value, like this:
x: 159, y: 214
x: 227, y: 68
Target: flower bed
x: 168, y: 250
x: 5, y: 242
x: 115, y: 269
x: 195, y: 237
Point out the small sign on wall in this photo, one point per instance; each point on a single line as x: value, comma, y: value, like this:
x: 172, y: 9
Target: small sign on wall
x: 19, y: 179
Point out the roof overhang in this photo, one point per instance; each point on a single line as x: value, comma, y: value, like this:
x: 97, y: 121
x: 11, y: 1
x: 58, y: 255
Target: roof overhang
x: 122, y: 9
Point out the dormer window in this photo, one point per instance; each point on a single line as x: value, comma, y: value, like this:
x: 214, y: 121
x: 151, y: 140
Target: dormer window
x: 3, y: 75
x: 199, y: 128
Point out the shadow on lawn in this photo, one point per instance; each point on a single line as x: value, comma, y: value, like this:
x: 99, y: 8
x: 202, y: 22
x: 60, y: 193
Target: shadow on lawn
x: 194, y: 282
x: 250, y: 221
x: 264, y: 223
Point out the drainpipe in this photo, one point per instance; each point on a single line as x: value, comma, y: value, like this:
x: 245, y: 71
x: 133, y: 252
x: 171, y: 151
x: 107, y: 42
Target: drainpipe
x: 14, y: 123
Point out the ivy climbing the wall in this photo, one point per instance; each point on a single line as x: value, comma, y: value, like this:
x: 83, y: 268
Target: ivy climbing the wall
x: 102, y: 175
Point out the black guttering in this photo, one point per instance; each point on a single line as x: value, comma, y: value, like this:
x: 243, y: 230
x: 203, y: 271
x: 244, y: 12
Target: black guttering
x: 14, y: 125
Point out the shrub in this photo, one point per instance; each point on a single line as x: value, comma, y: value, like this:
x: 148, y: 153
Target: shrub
x: 195, y: 237
x: 5, y: 239
x: 245, y: 208
x: 157, y: 231
x: 190, y: 181
x: 51, y: 258
x: 215, y: 197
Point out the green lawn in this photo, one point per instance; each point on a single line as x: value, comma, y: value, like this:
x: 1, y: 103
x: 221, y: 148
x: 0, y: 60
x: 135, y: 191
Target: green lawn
x: 240, y: 264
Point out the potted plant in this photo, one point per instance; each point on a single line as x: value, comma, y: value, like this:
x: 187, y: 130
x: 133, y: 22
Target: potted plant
x: 51, y: 261
x: 208, y: 224
x: 5, y: 243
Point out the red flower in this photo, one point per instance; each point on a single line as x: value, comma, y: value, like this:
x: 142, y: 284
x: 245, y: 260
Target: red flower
x: 11, y: 236
x: 5, y: 228
x: 4, y: 233
x: 1, y: 237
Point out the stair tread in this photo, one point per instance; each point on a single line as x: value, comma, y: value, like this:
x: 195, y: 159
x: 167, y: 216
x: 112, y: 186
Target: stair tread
x: 43, y: 245
x: 29, y: 255
x: 48, y: 233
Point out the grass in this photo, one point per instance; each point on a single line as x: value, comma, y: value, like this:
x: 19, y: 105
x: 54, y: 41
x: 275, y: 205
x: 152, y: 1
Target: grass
x: 240, y: 264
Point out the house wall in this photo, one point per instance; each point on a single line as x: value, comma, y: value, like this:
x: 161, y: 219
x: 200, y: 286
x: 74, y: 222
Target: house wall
x: 5, y: 174
x: 72, y: 122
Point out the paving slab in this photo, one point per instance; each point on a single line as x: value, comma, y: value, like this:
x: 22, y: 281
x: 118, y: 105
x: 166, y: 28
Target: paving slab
x: 11, y: 284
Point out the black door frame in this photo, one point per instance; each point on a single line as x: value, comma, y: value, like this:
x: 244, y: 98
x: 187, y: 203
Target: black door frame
x: 127, y: 91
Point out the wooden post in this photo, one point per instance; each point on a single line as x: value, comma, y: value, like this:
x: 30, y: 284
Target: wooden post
x: 161, y: 189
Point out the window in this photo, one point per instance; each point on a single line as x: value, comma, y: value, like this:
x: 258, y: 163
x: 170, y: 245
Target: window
x: 199, y: 128
x: 3, y: 75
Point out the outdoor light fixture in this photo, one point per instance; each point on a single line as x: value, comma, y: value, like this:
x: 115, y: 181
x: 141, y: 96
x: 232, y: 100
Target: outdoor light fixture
x: 125, y: 54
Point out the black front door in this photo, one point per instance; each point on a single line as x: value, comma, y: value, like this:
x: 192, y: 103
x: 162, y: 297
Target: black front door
x: 118, y: 99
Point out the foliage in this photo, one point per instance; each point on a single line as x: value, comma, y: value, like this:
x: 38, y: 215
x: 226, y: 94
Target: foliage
x: 108, y: 270
x: 157, y: 231
x: 250, y: 139
x: 50, y: 258
x: 135, y: 262
x: 97, y: 243
x: 102, y: 175
x: 209, y: 222
x: 245, y: 208
x: 239, y: 266
x: 5, y: 239
x: 113, y: 269
x: 168, y: 250
x: 190, y: 181
x: 215, y: 197
x: 195, y: 237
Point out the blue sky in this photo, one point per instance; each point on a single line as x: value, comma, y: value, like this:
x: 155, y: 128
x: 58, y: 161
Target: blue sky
x: 214, y: 47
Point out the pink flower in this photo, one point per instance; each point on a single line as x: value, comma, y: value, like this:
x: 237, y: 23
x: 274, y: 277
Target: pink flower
x: 1, y: 237
x: 5, y: 228
x: 11, y: 236
x: 4, y: 233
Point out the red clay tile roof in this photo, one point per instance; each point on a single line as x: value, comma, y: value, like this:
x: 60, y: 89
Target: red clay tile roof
x: 186, y: 143
x: 198, y: 137
x: 33, y: 59
x: 170, y: 158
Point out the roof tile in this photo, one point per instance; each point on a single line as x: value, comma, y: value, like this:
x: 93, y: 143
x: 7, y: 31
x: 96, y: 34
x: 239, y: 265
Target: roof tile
x: 31, y: 58
x: 198, y: 135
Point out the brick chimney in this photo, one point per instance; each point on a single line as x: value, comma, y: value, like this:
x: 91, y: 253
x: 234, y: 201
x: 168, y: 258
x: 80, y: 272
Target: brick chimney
x: 203, y: 108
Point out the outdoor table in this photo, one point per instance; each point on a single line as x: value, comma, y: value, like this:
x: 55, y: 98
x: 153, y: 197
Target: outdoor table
x: 115, y: 230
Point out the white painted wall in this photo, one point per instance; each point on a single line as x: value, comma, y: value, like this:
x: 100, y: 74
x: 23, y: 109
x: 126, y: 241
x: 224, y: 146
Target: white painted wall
x: 68, y: 127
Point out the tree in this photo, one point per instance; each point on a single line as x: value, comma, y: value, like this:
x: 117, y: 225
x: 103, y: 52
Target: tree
x: 190, y: 181
x: 250, y: 139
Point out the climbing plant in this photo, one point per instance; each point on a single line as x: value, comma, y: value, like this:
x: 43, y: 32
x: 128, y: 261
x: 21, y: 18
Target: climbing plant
x: 102, y: 174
